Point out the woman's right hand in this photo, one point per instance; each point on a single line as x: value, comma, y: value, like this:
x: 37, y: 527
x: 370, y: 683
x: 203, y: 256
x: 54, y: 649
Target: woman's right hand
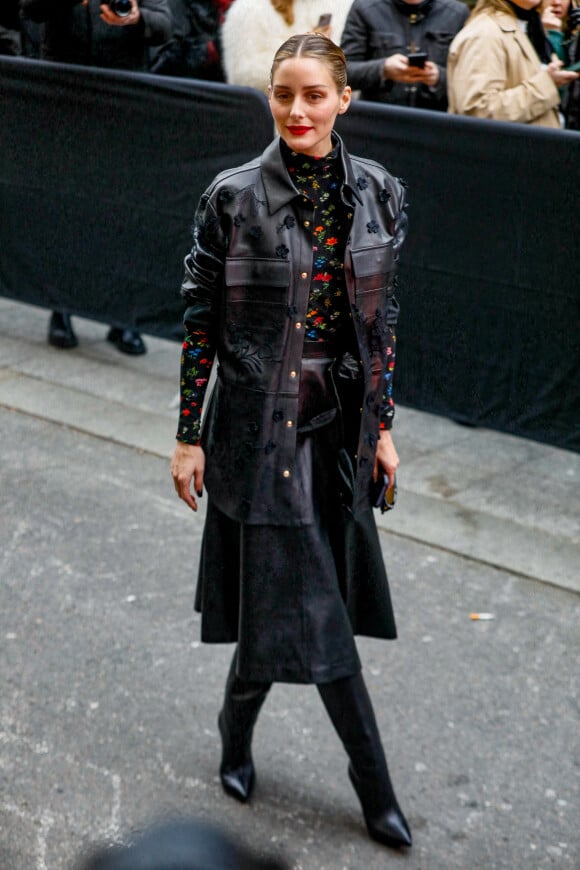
x: 187, y: 464
x: 560, y: 76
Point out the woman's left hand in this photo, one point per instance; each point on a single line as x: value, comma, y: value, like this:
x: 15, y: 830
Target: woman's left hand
x: 386, y: 457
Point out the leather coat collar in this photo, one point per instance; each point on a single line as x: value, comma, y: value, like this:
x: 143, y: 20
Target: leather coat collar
x: 279, y: 187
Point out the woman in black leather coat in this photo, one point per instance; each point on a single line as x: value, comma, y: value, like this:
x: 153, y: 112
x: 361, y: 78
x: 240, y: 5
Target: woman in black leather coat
x: 290, y: 281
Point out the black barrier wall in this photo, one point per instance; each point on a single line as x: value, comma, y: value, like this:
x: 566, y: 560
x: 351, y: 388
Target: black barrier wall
x: 100, y: 173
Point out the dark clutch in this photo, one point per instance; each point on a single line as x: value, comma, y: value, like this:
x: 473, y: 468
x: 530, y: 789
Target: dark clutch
x: 383, y: 496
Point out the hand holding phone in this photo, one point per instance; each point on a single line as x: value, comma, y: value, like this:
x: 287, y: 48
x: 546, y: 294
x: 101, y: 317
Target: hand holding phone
x: 418, y: 58
x: 324, y: 21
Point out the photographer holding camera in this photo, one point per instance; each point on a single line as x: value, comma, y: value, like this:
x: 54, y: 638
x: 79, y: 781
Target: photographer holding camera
x: 91, y: 32
x: 116, y: 34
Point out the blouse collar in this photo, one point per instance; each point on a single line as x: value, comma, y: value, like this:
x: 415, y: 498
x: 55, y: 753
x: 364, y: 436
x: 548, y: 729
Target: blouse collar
x: 280, y: 190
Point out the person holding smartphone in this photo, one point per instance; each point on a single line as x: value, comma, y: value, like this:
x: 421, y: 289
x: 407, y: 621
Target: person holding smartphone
x: 397, y: 49
x: 290, y: 282
x: 502, y: 66
x: 253, y: 29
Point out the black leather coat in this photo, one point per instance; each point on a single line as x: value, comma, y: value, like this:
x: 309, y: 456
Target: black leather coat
x: 247, y: 282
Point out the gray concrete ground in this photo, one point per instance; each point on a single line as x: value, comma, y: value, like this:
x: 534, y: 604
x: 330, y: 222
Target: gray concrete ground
x: 109, y: 701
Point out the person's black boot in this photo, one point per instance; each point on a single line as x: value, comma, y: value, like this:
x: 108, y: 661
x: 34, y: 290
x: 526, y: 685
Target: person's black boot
x: 60, y: 331
x: 242, y: 703
x: 127, y: 340
x: 349, y: 707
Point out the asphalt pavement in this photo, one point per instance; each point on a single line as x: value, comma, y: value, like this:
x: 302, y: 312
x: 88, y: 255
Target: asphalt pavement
x: 109, y: 701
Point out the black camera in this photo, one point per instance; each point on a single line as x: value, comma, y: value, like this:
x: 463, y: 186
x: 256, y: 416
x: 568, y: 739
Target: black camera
x: 120, y: 7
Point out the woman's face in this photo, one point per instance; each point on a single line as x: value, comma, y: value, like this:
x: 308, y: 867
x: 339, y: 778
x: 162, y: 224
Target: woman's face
x: 304, y: 103
x: 559, y: 7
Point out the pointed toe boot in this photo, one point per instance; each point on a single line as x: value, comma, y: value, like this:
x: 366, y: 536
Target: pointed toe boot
x: 237, y: 773
x: 242, y: 703
x: 384, y: 820
x: 349, y: 707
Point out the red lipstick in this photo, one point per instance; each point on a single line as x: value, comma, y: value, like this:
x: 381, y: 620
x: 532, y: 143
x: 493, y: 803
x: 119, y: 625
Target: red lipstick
x: 299, y: 131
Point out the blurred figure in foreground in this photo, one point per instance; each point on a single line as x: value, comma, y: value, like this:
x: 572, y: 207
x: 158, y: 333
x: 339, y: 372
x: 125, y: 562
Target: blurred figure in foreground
x: 179, y: 845
x: 92, y: 33
x: 501, y: 66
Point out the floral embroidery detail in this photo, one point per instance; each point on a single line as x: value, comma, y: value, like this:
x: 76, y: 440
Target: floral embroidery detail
x: 196, y: 363
x: 362, y: 183
x: 387, y: 404
x: 256, y: 232
x: 373, y: 227
x: 225, y: 195
x: 282, y: 251
x: 319, y: 181
x: 251, y: 356
x: 384, y: 195
x: 286, y: 224
x: 239, y: 220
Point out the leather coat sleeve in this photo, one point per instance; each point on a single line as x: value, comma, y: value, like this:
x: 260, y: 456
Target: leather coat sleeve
x: 201, y: 288
x: 204, y: 269
x: 387, y: 411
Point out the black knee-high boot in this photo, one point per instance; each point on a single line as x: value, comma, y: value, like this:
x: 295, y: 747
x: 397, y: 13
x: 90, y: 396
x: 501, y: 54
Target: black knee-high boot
x: 349, y: 707
x: 242, y: 703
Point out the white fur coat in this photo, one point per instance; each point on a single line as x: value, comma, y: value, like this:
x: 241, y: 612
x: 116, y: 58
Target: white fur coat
x: 253, y: 31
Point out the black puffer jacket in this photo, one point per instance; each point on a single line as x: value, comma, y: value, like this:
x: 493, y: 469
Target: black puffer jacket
x: 376, y: 29
x: 247, y: 282
x: 75, y: 33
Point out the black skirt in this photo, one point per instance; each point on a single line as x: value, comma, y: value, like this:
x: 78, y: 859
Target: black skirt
x: 292, y: 597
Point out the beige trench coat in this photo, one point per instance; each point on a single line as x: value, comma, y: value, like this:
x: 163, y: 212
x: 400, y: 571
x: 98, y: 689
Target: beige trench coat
x: 494, y: 72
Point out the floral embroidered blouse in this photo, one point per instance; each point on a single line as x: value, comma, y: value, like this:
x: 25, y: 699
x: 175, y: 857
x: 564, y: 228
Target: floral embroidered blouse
x: 319, y: 179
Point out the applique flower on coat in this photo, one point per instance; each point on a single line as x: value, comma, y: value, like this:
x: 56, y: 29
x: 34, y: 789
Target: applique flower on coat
x: 287, y: 224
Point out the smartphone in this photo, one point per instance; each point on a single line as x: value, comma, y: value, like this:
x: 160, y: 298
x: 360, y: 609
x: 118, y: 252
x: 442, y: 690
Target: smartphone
x: 324, y: 20
x: 574, y: 67
x: 418, y: 58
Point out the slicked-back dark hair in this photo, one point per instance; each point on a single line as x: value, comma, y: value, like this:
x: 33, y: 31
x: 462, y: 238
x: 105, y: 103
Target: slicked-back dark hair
x: 317, y: 46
